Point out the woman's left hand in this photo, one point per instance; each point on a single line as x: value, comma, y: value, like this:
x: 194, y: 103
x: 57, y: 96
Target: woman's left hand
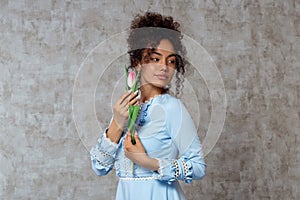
x: 136, y: 152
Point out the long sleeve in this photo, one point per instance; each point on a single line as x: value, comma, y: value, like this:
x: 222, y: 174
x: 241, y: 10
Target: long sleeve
x: 103, y: 155
x: 190, y: 163
x: 189, y: 166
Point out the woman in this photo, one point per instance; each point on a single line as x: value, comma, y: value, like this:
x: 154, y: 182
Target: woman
x: 167, y: 147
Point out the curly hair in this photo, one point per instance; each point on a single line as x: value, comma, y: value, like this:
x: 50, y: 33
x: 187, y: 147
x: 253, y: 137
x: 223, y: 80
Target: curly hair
x: 147, y: 31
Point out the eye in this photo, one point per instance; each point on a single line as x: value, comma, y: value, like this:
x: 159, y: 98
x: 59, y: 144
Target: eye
x: 172, y: 62
x: 153, y: 59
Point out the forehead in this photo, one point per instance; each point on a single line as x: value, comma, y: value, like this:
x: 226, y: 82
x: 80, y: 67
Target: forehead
x: 165, y: 46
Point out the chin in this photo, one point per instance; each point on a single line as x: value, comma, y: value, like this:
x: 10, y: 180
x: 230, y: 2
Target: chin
x: 160, y: 85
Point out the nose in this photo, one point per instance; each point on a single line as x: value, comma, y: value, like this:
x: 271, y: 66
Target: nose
x: 163, y: 65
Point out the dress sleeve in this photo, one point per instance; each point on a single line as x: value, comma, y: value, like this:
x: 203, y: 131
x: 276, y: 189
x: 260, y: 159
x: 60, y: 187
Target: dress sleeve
x: 103, y: 155
x: 190, y: 163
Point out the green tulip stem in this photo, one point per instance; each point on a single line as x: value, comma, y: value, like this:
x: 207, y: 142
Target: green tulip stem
x: 134, y: 113
x: 133, y: 110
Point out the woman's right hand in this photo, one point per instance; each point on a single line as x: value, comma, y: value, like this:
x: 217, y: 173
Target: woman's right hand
x: 120, y: 108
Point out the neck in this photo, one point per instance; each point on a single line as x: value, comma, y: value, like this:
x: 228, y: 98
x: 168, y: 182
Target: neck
x: 148, y: 92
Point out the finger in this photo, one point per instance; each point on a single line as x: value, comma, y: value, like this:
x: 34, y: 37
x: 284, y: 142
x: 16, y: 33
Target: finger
x: 133, y: 95
x: 125, y: 151
x: 125, y: 102
x: 136, y: 137
x: 130, y: 99
x: 138, y: 142
x: 128, y: 137
x: 133, y: 101
x: 123, y: 97
x: 127, y: 140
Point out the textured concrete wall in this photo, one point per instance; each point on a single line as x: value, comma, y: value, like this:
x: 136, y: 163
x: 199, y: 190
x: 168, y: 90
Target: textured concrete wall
x: 255, y: 45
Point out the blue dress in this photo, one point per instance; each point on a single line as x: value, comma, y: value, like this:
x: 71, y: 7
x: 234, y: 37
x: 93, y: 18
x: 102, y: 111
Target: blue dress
x: 168, y: 134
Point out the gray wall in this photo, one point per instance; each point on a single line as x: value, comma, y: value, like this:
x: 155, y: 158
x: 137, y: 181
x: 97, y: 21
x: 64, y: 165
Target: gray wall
x: 255, y: 45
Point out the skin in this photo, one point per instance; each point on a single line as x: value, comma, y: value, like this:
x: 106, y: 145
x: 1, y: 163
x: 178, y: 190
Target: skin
x: 155, y: 76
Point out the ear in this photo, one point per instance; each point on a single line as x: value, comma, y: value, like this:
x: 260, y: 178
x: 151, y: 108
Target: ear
x: 138, y: 67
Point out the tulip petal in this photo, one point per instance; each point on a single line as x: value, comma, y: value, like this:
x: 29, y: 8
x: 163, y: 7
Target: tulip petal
x: 131, y: 78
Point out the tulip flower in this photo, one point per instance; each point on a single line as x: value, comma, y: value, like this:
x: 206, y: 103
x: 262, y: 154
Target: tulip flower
x: 132, y: 77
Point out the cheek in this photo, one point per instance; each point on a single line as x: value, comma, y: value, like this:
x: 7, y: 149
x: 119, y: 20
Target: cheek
x: 147, y: 70
x: 145, y: 75
x: 172, y: 74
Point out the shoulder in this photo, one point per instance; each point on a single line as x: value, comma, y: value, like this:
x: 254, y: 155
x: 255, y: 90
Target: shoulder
x: 173, y: 106
x: 170, y: 102
x: 170, y: 107
x: 178, y: 119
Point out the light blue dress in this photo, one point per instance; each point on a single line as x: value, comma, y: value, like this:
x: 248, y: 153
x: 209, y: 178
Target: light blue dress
x: 168, y: 134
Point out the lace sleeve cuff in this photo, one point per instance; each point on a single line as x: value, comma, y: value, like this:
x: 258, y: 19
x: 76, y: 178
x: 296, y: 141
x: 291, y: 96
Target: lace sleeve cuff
x: 187, y: 169
x: 103, y: 155
x: 107, y: 144
x: 172, y: 170
x: 166, y: 171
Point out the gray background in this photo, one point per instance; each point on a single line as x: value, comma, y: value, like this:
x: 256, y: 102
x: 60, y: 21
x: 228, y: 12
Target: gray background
x: 255, y: 45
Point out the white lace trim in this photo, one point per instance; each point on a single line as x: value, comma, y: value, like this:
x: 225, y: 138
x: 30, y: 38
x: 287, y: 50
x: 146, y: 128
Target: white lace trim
x: 138, y: 178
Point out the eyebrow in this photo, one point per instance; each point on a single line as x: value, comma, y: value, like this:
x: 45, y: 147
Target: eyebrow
x: 173, y: 54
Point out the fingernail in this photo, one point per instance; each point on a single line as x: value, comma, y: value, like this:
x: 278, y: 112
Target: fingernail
x: 136, y: 92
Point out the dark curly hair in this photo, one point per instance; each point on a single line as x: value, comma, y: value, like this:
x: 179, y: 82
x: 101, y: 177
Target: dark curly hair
x: 147, y: 31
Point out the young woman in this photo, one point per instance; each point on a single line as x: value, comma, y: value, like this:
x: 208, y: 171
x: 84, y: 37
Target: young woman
x: 167, y: 147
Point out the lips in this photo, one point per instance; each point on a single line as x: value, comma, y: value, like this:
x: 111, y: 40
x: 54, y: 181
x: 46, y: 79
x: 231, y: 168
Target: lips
x: 162, y: 76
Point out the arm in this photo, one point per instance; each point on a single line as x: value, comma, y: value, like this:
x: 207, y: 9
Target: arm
x: 188, y: 167
x: 136, y: 153
x: 103, y: 154
x: 190, y: 164
x: 114, y: 132
x: 120, y: 118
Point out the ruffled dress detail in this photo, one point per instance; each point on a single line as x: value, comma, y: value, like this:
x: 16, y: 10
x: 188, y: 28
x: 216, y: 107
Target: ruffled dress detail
x: 168, y: 134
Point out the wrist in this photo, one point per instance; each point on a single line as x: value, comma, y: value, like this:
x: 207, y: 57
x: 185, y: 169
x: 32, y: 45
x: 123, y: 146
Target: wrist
x: 116, y: 125
x: 149, y: 163
x: 114, y: 132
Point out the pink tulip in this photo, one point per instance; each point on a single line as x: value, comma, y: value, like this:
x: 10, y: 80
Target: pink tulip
x: 131, y: 78
x: 132, y: 84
